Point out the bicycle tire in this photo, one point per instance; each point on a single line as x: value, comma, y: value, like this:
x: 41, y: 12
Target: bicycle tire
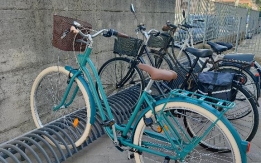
x: 249, y: 116
x: 115, y: 70
x: 182, y: 58
x: 161, y: 61
x: 199, y: 154
x: 250, y: 82
x: 47, y: 91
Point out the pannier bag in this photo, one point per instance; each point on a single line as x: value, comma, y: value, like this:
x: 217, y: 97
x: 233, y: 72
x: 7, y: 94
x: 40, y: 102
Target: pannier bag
x: 216, y: 84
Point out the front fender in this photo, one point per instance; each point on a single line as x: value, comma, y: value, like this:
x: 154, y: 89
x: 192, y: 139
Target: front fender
x: 86, y: 86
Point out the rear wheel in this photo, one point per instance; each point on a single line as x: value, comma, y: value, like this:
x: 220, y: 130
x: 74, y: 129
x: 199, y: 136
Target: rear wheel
x: 244, y: 116
x: 150, y: 137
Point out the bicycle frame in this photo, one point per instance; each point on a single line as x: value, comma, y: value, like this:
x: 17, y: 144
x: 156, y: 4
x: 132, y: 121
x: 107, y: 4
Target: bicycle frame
x: 186, y: 43
x: 83, y: 60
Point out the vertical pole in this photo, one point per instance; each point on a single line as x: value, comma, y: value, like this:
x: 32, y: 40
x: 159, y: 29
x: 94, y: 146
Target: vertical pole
x: 188, y: 13
x: 206, y: 22
x: 175, y: 10
x: 238, y: 32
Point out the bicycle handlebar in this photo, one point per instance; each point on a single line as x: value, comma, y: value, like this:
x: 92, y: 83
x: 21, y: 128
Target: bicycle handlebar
x: 105, y: 32
x: 187, y: 26
x: 142, y: 29
x: 111, y: 32
x: 169, y: 26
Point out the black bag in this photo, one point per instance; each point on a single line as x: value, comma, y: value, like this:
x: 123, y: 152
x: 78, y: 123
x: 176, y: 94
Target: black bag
x: 216, y: 84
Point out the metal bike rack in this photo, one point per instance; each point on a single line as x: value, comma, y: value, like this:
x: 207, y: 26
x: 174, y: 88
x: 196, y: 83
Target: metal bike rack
x: 33, y: 146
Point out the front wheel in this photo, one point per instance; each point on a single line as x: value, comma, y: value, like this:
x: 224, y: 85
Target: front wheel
x: 121, y: 74
x: 222, y: 135
x: 73, y: 116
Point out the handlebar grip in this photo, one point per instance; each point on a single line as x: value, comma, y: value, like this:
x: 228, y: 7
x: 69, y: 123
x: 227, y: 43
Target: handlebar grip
x: 119, y: 34
x: 111, y: 32
x: 172, y: 25
x: 165, y: 28
x: 76, y: 24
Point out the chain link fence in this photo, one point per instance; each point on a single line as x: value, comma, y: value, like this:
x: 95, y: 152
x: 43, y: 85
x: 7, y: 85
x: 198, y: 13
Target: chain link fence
x: 222, y: 22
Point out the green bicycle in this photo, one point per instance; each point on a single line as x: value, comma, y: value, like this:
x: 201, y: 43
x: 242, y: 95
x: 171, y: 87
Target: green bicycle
x: 153, y: 134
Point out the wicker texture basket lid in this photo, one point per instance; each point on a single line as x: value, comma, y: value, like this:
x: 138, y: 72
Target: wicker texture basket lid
x: 61, y: 24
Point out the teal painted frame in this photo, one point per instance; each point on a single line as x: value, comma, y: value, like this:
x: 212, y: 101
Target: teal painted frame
x: 83, y: 73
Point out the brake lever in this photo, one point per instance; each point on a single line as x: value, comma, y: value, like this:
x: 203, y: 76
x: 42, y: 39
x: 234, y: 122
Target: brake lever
x: 81, y: 41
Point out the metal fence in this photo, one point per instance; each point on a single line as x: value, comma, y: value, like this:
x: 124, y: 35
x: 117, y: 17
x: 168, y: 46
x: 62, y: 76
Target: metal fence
x: 222, y: 22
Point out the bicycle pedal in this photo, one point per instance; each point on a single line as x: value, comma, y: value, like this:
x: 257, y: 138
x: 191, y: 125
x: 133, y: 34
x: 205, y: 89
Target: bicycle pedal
x: 166, y: 160
x: 108, y: 123
x: 119, y: 148
x: 130, y: 155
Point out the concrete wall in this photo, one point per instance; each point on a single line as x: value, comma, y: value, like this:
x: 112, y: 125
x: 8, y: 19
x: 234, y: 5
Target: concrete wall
x: 25, y: 44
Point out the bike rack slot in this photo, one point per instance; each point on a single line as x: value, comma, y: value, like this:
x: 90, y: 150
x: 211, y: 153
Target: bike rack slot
x: 35, y: 146
x: 21, y: 152
x: 54, y: 141
x: 42, y: 140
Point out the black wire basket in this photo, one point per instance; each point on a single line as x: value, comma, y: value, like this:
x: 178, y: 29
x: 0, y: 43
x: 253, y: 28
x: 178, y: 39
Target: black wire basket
x: 161, y: 41
x: 127, y: 46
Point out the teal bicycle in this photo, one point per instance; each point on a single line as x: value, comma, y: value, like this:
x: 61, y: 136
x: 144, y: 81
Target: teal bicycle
x: 155, y: 134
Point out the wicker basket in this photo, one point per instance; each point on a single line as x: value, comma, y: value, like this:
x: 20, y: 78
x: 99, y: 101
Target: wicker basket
x: 128, y: 46
x: 61, y: 24
x: 160, y: 41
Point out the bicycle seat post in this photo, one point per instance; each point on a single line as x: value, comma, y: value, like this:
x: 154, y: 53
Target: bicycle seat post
x: 147, y: 88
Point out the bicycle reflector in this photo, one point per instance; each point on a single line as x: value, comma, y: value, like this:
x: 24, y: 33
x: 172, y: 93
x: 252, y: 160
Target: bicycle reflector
x: 75, y: 122
x: 160, y: 129
x: 248, y: 147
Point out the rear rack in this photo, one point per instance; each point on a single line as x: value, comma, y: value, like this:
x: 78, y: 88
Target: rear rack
x: 202, y: 98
